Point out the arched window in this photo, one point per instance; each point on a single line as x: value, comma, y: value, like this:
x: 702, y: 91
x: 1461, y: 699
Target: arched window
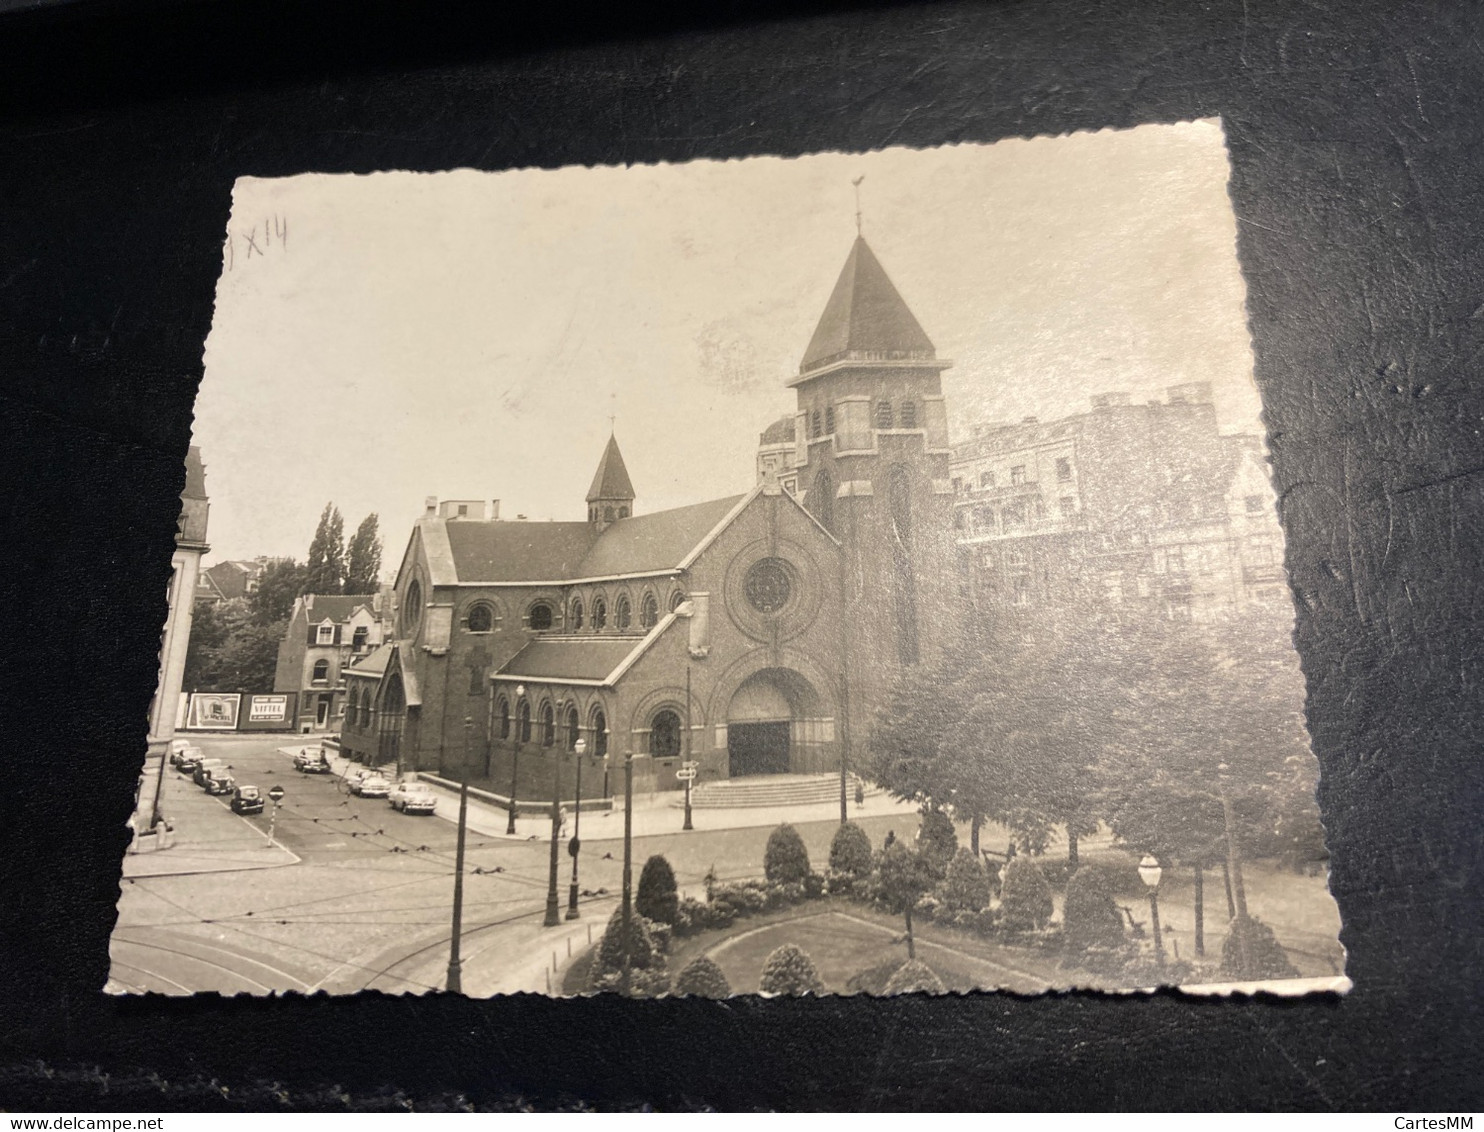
x: 623, y: 613
x: 574, y: 729
x: 822, y: 499
x: 814, y: 424
x: 503, y: 711
x: 366, y: 710
x: 883, y: 414
x: 649, y: 612
x: 909, y: 414
x: 321, y: 671
x: 600, y: 615
x: 664, y: 735
x: 548, y: 725
x: 623, y: 512
x: 829, y: 420
x: 412, y: 609
x: 540, y: 616
x: 523, y: 722
x: 481, y: 619
x: 677, y: 599
x: 599, y: 723
x: 607, y: 514
x: 576, y: 613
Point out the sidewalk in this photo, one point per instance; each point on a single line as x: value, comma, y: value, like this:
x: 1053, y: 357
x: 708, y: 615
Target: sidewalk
x: 235, y: 845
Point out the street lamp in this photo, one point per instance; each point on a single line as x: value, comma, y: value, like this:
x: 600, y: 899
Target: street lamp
x: 575, y: 845
x: 520, y: 695
x: 553, y: 904
x: 455, y: 980
x: 1149, y: 873
x: 628, y: 867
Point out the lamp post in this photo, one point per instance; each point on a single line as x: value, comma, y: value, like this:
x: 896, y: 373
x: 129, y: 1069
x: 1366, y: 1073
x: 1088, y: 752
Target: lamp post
x: 1234, y: 863
x: 1149, y: 873
x: 575, y: 845
x: 553, y: 904
x: 687, y: 764
x: 520, y: 695
x: 455, y: 982
x: 628, y: 865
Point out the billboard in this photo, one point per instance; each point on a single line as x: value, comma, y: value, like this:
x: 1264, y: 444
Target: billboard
x: 213, y: 711
x: 273, y: 712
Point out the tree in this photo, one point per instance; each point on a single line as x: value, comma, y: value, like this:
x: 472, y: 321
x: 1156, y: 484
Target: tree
x: 208, y: 633
x: 230, y: 651
x: 1025, y: 897
x: 702, y: 978
x: 786, y: 860
x: 914, y: 977
x: 279, y: 585
x: 1090, y: 917
x: 657, y: 898
x: 966, y: 887
x: 610, y: 947
x: 363, y: 558
x: 906, y: 875
x: 325, y: 570
x: 937, y: 838
x: 789, y: 970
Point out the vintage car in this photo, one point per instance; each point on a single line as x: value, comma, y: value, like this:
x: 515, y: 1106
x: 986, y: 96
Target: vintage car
x: 311, y: 760
x: 204, y: 767
x: 247, y: 800
x: 370, y: 785
x: 219, y: 781
x: 413, y: 798
x: 188, y: 760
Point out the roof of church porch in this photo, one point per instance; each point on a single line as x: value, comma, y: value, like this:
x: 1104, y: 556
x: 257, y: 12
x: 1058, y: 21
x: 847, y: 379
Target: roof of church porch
x: 588, y: 660
x: 865, y: 319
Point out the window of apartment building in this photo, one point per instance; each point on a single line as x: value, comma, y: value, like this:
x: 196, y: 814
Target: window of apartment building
x: 1253, y: 504
x: 1013, y: 516
x: 829, y: 420
x: 325, y: 635
x: 1177, y: 607
x: 986, y: 479
x: 1015, y: 558
x: 321, y: 672
x: 909, y: 414
x: 1261, y: 552
x: 814, y: 424
x: 958, y: 485
x: 1068, y: 506
x: 1038, y: 509
x: 1113, y: 589
x: 1141, y: 585
x: 1020, y: 590
x: 358, y: 638
x: 958, y: 520
x: 883, y: 414
x: 1063, y: 469
x: 1175, y: 560
x: 1017, y: 475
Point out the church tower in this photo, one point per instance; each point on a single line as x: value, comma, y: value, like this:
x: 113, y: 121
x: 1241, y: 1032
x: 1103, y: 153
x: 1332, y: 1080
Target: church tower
x: 612, y: 495
x: 871, y: 456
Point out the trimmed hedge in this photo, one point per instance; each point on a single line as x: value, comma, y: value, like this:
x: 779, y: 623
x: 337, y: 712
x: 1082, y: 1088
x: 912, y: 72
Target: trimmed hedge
x: 1090, y: 917
x: 789, y: 970
x: 850, y: 851
x: 1025, y: 897
x: 937, y: 839
x: 702, y: 978
x: 786, y: 860
x: 913, y: 977
x: 642, y: 953
x: 966, y: 888
x: 657, y: 898
x: 1265, y: 957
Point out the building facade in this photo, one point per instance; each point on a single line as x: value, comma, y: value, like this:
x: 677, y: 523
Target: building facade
x: 326, y: 636
x: 1143, y: 506
x: 230, y: 580
x: 717, y: 631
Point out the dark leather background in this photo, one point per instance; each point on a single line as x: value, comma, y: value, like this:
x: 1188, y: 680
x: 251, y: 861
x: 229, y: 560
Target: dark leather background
x: 1355, y: 132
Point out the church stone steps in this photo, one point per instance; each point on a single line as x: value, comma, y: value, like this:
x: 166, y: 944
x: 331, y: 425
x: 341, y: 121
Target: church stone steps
x: 772, y: 790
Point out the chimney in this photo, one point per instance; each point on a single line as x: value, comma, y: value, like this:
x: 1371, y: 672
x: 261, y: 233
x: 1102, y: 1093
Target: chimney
x: 1111, y: 400
x: 430, y: 507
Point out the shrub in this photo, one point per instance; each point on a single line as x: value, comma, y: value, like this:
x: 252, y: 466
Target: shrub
x: 1025, y: 897
x: 813, y: 886
x: 785, y: 860
x: 914, y: 976
x: 643, y: 983
x: 850, y: 850
x: 1265, y: 957
x: 702, y: 978
x: 1090, y: 918
x: 659, y: 935
x: 610, y: 948
x: 657, y: 898
x: 691, y: 916
x: 789, y: 970
x: 937, y: 839
x: 966, y: 888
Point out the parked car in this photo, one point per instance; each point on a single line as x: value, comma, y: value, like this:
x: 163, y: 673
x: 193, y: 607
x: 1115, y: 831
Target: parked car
x: 311, y: 760
x: 370, y: 786
x: 204, y: 767
x: 247, y: 800
x: 186, y: 753
x: 219, y: 782
x: 413, y: 798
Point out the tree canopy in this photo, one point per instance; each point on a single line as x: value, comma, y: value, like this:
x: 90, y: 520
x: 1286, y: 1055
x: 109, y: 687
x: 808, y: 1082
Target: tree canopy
x: 325, y: 570
x: 363, y: 558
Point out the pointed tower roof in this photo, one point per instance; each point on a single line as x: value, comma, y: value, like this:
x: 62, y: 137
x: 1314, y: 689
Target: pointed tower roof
x: 865, y: 319
x: 612, y: 478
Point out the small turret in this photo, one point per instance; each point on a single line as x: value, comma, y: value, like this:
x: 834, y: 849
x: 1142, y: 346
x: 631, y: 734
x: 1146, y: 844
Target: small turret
x: 611, y: 496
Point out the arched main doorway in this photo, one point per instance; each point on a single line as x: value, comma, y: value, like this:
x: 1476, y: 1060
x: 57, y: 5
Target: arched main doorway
x: 767, y: 723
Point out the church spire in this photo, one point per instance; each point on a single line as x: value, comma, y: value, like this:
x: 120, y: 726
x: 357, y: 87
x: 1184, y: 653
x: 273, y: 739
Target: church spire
x: 611, y: 496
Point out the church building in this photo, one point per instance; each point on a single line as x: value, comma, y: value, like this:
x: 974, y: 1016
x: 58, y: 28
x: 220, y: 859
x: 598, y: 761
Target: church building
x: 755, y: 634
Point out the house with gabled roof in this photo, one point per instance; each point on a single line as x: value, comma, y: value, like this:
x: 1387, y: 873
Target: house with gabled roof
x: 753, y: 634
x: 327, y: 635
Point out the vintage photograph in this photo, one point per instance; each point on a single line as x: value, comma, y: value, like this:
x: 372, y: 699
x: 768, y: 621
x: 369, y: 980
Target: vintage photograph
x: 843, y: 574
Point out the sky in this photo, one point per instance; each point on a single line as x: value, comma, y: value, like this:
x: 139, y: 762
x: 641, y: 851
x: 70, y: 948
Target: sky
x: 379, y: 339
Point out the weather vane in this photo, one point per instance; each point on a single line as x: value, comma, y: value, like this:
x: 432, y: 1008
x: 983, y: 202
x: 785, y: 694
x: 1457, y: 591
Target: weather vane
x: 857, y: 184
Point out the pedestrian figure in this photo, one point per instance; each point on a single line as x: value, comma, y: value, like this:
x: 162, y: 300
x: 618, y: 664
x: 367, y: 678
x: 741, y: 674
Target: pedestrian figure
x: 860, y: 794
x: 891, y: 839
